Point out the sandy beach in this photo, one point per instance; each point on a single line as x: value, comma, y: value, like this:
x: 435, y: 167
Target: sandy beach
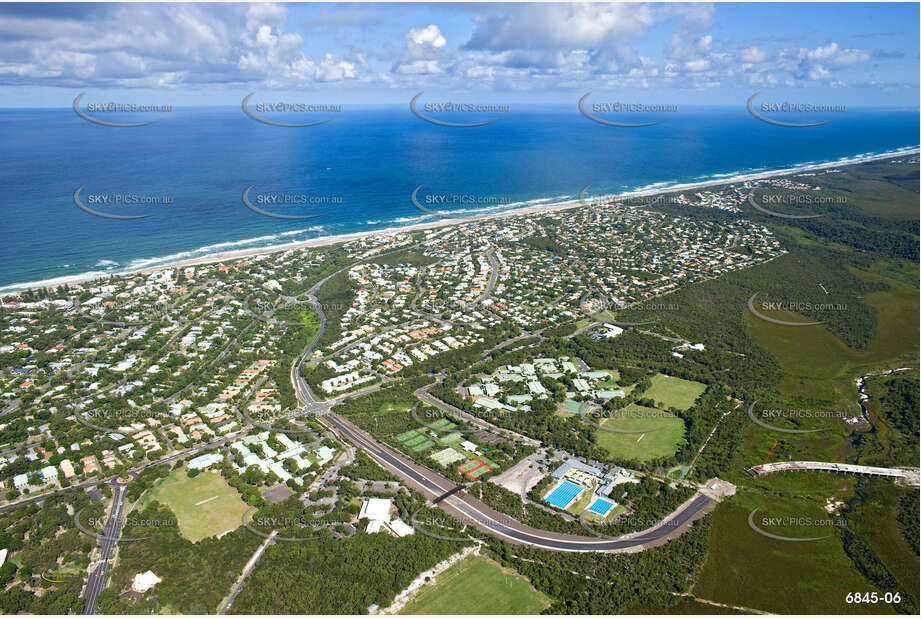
x: 241, y: 254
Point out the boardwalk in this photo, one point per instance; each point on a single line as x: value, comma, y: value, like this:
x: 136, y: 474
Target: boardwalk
x: 908, y: 475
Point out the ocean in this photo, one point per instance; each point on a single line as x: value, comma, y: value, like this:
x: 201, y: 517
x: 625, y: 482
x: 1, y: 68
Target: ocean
x: 357, y: 172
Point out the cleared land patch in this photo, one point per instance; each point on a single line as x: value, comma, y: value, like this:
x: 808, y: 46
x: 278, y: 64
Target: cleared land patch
x: 477, y: 585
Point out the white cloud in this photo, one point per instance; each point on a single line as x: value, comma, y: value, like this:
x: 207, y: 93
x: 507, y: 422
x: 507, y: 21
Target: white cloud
x: 560, y: 27
x: 512, y: 47
x: 418, y: 67
x: 430, y: 35
x: 754, y: 55
x: 162, y: 45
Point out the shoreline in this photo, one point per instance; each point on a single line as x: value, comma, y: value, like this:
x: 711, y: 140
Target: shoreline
x: 326, y: 241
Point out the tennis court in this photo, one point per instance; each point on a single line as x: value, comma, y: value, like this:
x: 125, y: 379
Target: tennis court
x: 446, y: 456
x: 469, y: 465
x: 443, y: 424
x: 421, y: 446
x: 573, y: 407
x: 419, y: 439
x: 406, y: 436
x: 563, y: 495
x: 451, y: 438
x: 601, y: 506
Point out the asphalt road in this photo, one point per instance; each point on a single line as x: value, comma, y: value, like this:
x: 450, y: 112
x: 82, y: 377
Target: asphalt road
x: 493, y: 278
x: 132, y: 472
x: 471, y: 511
x: 463, y: 506
x: 107, y: 543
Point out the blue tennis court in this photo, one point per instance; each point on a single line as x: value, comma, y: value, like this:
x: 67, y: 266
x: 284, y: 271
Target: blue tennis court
x: 601, y: 506
x: 565, y: 493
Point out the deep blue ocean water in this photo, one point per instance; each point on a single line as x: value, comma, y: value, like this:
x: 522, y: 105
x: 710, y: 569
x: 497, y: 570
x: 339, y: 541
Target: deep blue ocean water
x: 370, y: 159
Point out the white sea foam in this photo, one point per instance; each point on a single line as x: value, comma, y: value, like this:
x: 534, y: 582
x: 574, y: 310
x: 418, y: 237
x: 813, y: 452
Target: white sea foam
x: 218, y: 250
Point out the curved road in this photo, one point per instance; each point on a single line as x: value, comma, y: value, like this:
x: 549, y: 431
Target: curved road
x: 469, y: 510
x: 459, y: 504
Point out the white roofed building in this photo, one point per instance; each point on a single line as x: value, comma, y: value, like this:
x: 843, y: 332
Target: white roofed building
x: 145, y: 581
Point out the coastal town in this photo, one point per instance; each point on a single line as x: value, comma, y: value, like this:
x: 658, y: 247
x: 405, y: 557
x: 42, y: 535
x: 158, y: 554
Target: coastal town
x: 167, y: 360
x: 346, y: 390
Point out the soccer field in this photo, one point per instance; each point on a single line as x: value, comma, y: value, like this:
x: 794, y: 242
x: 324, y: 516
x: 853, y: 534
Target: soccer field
x: 665, y: 435
x: 204, y: 506
x: 477, y: 585
x: 669, y: 392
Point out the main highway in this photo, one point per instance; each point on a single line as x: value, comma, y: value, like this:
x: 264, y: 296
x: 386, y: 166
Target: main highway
x: 107, y: 544
x: 459, y: 504
x: 469, y: 510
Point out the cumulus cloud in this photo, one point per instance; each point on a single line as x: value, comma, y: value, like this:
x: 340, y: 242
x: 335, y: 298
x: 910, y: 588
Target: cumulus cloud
x: 819, y: 64
x: 418, y: 67
x: 560, y: 27
x: 753, y: 55
x: 419, y: 38
x: 160, y: 45
x: 512, y: 46
x: 422, y: 53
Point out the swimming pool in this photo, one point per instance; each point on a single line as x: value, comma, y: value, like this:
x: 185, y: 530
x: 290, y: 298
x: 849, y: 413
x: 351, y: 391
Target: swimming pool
x: 565, y: 493
x: 601, y: 506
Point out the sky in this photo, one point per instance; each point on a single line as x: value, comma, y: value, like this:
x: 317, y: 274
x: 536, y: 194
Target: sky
x: 694, y: 54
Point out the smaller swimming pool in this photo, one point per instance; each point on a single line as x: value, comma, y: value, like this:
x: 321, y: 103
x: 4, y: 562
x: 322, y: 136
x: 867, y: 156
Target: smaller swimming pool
x: 601, y: 506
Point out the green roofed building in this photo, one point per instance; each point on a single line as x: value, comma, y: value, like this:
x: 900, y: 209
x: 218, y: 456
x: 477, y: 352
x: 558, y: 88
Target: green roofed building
x: 489, y: 404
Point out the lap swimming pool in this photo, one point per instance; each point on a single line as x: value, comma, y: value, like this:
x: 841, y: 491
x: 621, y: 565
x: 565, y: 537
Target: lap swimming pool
x: 565, y: 493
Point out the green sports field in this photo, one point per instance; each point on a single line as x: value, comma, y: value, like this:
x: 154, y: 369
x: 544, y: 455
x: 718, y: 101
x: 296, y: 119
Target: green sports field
x: 408, y: 436
x: 443, y: 424
x: 569, y: 408
x: 204, y: 506
x: 665, y: 435
x: 451, y: 438
x: 669, y: 392
x: 424, y: 445
x: 477, y: 585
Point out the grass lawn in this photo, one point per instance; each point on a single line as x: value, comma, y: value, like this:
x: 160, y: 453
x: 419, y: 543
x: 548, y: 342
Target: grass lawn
x: 581, y: 503
x: 309, y: 318
x: 611, y: 382
x: 666, y: 433
x: 477, y: 585
x: 669, y: 392
x: 204, y: 506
